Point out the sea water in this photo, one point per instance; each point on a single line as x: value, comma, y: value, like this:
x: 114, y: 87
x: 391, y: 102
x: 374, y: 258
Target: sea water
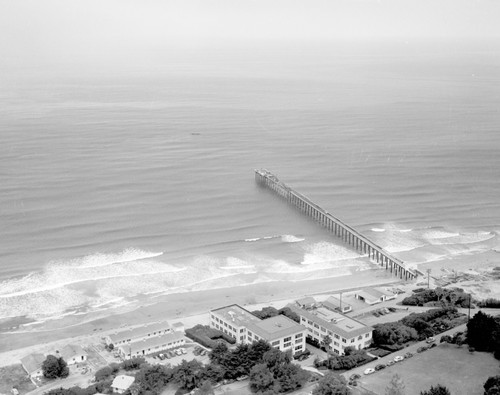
x: 120, y: 184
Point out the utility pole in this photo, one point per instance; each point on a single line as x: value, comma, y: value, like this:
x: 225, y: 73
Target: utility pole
x: 428, y: 277
x: 470, y: 297
x: 341, y: 302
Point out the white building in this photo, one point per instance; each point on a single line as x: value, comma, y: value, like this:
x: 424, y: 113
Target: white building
x: 32, y: 364
x: 152, y: 345
x: 373, y: 296
x: 122, y: 383
x: 280, y: 331
x: 335, y: 304
x: 138, y: 333
x: 343, y: 331
x: 73, y: 354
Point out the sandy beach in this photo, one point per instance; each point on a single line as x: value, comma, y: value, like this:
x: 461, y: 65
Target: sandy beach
x: 190, y: 308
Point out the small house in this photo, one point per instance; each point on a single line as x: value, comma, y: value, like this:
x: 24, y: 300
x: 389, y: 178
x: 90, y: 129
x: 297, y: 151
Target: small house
x: 73, y: 354
x: 307, y: 302
x: 122, y: 383
x: 32, y: 364
x: 335, y: 304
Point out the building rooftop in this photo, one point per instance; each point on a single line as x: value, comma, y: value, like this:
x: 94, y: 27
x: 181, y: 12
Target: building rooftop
x: 306, y: 300
x: 32, y: 362
x: 152, y: 342
x: 71, y: 350
x: 236, y: 314
x: 122, y: 382
x: 141, y: 331
x: 344, y: 326
x: 275, y: 327
x: 333, y: 302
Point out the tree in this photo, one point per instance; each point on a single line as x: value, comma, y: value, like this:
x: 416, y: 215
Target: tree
x: 325, y: 342
x: 188, y: 374
x: 153, y: 378
x: 437, y: 390
x: 289, y: 377
x: 332, y: 384
x: 393, y: 333
x: 396, y: 386
x: 103, y: 373
x: 261, y: 378
x: 492, y: 386
x: 218, y: 353
x: 213, y: 372
x: 483, y: 332
x: 205, y: 389
x: 54, y: 367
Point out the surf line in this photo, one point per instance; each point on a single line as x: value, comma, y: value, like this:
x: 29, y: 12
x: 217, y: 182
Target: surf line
x: 349, y: 235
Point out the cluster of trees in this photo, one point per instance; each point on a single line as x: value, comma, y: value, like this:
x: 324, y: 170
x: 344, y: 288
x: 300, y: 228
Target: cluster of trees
x: 483, y: 333
x: 268, y: 312
x: 351, y: 359
x: 489, y: 302
x: 54, y: 367
x: 455, y: 297
x: 332, y: 384
x: 492, y: 386
x: 458, y: 338
x: 437, y: 390
x: 416, y: 326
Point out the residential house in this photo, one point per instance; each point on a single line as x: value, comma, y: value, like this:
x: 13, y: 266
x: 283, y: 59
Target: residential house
x: 373, y: 296
x: 122, y: 383
x: 73, y: 354
x: 32, y: 364
x: 307, y: 302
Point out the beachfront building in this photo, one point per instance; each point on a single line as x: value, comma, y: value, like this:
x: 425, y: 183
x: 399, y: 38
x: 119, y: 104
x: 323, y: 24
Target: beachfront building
x: 152, y: 345
x: 280, y: 331
x: 122, y: 383
x: 342, y: 330
x: 32, y: 364
x: 138, y: 333
x: 73, y: 354
x: 373, y: 296
x: 335, y: 304
x: 307, y: 302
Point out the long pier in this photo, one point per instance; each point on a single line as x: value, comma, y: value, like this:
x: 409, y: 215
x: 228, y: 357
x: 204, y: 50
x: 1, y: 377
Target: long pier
x: 349, y: 235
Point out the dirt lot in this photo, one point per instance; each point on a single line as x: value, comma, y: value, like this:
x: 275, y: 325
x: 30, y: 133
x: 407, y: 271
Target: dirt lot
x: 462, y: 372
x: 14, y: 376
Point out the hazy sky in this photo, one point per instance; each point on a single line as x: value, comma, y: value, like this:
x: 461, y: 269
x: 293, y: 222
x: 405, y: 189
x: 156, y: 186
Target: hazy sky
x: 57, y: 30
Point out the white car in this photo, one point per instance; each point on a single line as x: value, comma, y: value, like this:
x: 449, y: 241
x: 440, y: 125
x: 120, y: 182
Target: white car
x: 369, y: 371
x: 398, y: 358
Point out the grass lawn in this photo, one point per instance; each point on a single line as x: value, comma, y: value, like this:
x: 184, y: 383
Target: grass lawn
x: 462, y: 372
x: 14, y: 376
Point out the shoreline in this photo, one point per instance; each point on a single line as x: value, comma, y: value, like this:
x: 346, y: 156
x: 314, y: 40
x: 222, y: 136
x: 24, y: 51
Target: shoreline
x: 180, y: 306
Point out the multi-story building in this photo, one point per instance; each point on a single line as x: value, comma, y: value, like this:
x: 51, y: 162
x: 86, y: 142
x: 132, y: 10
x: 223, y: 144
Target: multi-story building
x: 280, y: 331
x: 342, y: 330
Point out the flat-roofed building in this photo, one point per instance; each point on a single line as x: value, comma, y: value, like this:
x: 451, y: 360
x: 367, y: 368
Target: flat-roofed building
x: 307, y: 302
x: 138, y: 333
x: 335, y: 304
x: 280, y: 331
x: 342, y: 330
x: 152, y: 345
x: 373, y: 296
x: 32, y: 364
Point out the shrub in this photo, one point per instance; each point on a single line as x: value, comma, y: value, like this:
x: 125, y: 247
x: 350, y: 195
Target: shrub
x: 207, y: 336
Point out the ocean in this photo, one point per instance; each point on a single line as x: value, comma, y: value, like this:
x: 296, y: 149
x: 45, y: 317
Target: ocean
x: 122, y: 185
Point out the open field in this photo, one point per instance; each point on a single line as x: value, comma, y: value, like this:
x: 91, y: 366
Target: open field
x: 14, y: 376
x: 462, y: 372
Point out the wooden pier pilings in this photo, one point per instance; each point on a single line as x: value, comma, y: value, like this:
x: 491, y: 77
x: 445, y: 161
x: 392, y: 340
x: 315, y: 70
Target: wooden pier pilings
x: 336, y: 226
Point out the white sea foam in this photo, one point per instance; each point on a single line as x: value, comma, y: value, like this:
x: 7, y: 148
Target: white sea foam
x: 319, y: 253
x: 377, y: 230
x: 291, y: 239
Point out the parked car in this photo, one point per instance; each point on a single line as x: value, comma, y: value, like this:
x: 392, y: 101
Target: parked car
x: 380, y: 366
x: 369, y: 371
x: 408, y: 355
x: 354, y: 377
x: 390, y: 363
x: 430, y: 340
x: 422, y: 349
x: 398, y: 358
